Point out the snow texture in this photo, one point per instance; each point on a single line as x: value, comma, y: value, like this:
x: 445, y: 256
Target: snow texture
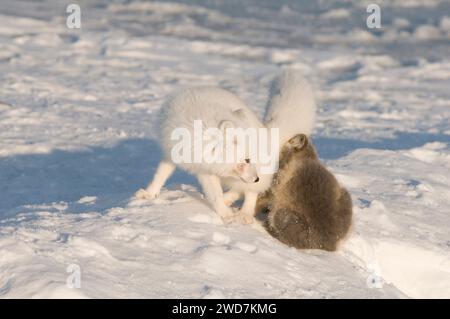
x: 78, y: 118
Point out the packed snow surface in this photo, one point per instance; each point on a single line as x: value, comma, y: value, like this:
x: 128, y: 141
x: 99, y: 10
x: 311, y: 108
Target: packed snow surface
x: 78, y: 115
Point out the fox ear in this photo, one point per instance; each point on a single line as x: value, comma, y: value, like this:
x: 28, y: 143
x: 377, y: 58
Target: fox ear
x: 299, y: 141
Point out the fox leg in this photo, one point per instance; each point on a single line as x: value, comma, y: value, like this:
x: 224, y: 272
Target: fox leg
x: 231, y: 196
x: 214, y: 194
x: 247, y: 212
x: 163, y: 172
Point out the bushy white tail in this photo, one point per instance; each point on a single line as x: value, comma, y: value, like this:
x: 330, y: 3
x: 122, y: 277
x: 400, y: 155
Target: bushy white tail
x: 292, y: 106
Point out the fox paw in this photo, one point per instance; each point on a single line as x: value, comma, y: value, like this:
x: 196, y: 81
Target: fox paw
x: 144, y: 194
x: 244, y: 218
x: 228, y: 219
x: 226, y: 213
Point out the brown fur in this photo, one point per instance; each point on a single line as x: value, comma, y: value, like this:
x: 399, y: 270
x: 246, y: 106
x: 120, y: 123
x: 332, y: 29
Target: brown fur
x: 307, y: 207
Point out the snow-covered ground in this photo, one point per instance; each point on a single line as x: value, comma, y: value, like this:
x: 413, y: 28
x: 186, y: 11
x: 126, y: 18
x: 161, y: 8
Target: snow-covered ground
x: 77, y: 139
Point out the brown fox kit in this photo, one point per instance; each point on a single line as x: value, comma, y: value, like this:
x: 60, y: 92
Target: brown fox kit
x: 307, y: 207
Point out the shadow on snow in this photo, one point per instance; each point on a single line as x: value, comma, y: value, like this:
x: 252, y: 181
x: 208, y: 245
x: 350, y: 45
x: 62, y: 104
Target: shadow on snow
x: 68, y: 176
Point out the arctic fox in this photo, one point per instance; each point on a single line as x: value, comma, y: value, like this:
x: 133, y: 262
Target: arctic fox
x: 307, y: 206
x: 291, y: 108
x: 215, y: 108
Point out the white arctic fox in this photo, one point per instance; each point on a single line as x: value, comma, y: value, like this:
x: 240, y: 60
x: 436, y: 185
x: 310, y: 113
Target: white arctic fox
x: 291, y: 108
x: 215, y: 108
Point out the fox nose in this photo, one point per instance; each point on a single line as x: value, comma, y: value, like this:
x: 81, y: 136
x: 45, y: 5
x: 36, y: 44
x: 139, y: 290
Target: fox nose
x: 257, y: 180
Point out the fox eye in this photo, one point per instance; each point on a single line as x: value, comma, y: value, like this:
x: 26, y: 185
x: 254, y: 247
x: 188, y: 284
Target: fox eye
x: 247, y: 160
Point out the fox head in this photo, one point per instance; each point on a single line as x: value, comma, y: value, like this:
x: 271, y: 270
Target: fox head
x: 300, y: 147
x: 246, y: 172
x: 242, y: 167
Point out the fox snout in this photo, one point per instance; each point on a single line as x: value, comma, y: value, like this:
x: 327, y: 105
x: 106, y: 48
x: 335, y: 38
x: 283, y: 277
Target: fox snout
x: 249, y: 179
x: 247, y: 172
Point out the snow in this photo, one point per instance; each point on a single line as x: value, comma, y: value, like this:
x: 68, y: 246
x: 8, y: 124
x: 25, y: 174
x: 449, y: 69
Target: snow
x: 77, y: 139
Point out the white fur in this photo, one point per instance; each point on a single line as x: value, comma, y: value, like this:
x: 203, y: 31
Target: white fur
x: 292, y: 106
